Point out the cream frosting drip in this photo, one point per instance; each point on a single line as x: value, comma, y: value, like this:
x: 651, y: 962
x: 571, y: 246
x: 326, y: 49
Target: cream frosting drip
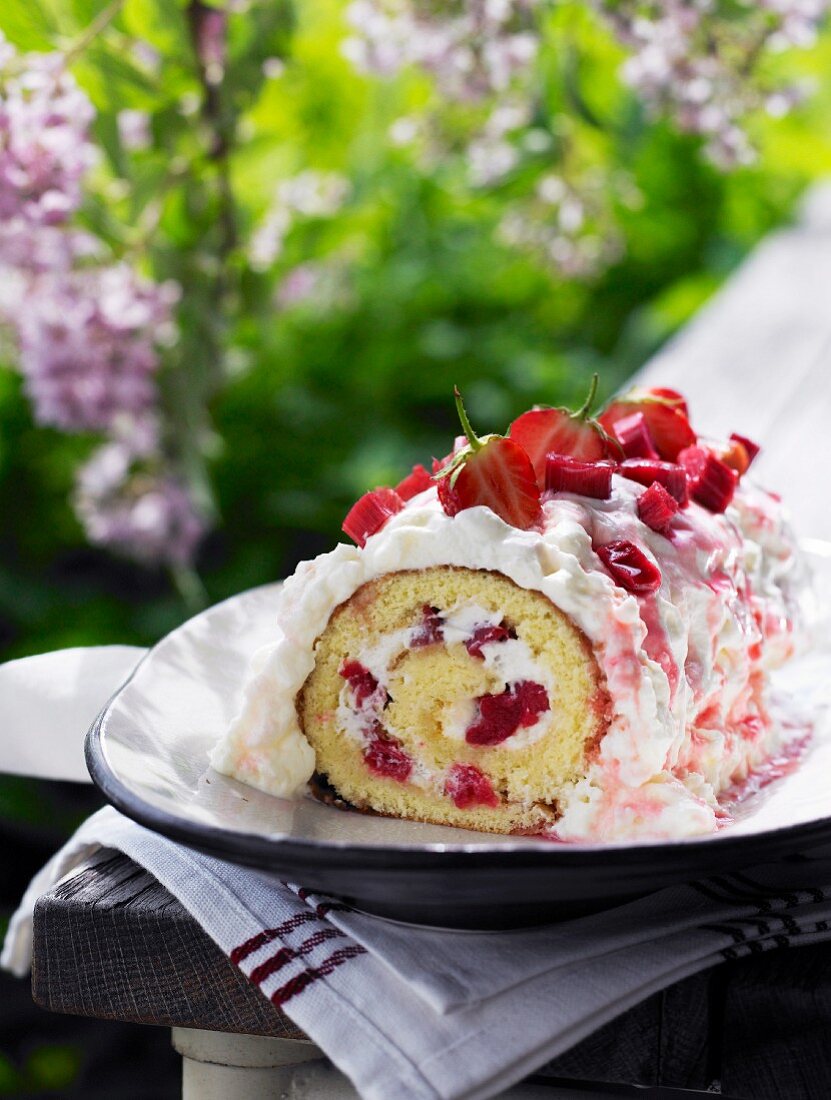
x: 684, y: 668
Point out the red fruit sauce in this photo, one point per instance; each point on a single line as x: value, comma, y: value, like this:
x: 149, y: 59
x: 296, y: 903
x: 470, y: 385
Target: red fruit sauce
x: 466, y: 786
x: 500, y: 716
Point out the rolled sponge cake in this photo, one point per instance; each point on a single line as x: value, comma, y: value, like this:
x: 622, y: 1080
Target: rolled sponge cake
x: 454, y: 696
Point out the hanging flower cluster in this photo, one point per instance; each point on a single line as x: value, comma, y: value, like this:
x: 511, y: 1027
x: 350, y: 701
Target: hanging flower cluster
x: 88, y: 330
x: 695, y: 61
x: 473, y: 48
x: 309, y: 194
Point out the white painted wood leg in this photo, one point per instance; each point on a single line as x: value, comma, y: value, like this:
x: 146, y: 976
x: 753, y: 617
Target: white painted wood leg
x: 219, y: 1066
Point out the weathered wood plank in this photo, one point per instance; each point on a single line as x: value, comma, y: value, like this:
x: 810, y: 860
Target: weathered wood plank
x: 112, y: 943
x: 757, y: 360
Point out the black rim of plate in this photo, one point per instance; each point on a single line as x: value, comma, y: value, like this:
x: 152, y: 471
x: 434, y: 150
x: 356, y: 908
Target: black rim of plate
x: 693, y: 855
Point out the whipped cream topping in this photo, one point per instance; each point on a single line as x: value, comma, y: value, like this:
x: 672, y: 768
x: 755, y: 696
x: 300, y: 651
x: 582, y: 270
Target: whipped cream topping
x: 684, y: 667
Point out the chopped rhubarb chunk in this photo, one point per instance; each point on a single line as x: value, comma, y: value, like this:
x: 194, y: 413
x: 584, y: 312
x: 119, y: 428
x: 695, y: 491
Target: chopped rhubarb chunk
x: 370, y: 513
x: 630, y: 567
x: 430, y: 630
x: 360, y: 679
x: 633, y: 434
x: 564, y: 474
x: 669, y: 474
x: 750, y: 447
x: 385, y: 757
x: 656, y: 507
x: 466, y: 786
x: 500, y: 716
x: 668, y: 426
x: 712, y: 482
x: 414, y: 483
x: 484, y: 635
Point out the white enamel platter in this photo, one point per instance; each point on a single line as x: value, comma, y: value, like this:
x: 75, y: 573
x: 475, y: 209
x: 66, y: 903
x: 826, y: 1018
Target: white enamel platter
x: 148, y: 754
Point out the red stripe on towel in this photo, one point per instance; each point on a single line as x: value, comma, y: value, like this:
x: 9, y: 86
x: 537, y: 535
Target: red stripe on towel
x: 287, y: 954
x: 290, y: 925
x: 305, y: 978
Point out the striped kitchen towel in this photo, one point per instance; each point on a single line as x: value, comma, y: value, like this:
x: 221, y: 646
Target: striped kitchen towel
x: 422, y: 1013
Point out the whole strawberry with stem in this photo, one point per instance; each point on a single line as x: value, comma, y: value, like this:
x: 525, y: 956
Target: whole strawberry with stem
x: 494, y: 472
x: 544, y: 431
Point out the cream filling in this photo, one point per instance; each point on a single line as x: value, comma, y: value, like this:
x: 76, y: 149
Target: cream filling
x: 510, y: 661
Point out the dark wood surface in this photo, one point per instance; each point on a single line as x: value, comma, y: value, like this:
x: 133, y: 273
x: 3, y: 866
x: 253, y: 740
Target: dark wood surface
x: 111, y: 943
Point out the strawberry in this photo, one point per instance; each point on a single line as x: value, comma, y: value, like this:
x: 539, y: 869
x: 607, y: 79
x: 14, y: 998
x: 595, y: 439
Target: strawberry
x: 493, y: 471
x: 564, y: 474
x: 629, y: 567
x: 712, y: 482
x: 669, y: 427
x: 370, y: 513
x: 541, y: 432
x: 414, y: 483
x: 656, y: 507
x: 668, y: 474
x: 633, y: 434
x: 671, y: 397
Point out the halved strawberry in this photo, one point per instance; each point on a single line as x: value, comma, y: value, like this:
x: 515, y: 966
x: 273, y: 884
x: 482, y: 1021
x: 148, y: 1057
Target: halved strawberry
x: 672, y: 397
x: 541, y: 432
x: 669, y: 474
x: 370, y: 513
x: 414, y: 483
x: 492, y: 471
x: 669, y: 427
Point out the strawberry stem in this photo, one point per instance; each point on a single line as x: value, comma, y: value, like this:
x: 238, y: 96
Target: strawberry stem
x: 474, y: 442
x: 584, y: 411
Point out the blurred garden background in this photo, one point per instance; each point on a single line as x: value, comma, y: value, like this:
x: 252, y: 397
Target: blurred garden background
x: 247, y: 248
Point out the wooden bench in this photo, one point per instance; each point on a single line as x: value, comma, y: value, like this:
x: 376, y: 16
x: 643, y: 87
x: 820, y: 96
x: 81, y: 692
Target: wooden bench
x: 111, y: 943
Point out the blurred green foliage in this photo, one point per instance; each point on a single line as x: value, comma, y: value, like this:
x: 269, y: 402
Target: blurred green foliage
x: 287, y: 414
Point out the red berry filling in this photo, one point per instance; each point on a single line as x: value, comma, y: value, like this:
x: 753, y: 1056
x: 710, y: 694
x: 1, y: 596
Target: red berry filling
x: 564, y: 474
x: 370, y: 513
x: 656, y: 507
x: 630, y: 567
x: 385, y: 757
x: 632, y: 433
x: 484, y: 635
x: 466, y: 786
x: 500, y: 716
x: 669, y: 474
x: 360, y: 679
x: 430, y: 630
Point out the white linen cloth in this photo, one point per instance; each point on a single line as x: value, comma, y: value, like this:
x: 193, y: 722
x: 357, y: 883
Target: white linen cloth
x: 423, y: 1013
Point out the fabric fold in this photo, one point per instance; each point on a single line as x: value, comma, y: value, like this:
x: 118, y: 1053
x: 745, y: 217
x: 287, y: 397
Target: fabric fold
x: 437, y: 1014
